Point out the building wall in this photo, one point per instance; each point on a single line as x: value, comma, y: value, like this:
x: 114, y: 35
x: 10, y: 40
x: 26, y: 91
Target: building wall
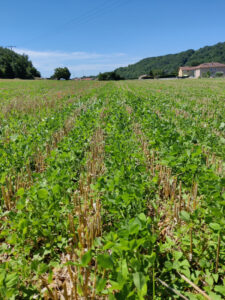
x: 180, y: 73
x: 213, y: 71
x: 185, y: 73
x: 198, y: 72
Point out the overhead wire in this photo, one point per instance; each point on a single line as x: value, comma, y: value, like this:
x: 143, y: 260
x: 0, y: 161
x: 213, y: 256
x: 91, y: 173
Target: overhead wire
x: 85, y: 18
x: 120, y: 4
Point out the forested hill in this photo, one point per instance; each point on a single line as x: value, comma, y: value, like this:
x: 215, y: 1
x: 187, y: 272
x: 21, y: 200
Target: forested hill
x: 13, y: 65
x: 168, y: 64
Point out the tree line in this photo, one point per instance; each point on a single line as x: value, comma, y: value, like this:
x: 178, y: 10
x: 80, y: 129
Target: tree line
x: 14, y: 65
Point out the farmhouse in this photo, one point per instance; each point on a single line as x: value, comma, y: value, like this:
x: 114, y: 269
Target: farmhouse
x: 198, y: 71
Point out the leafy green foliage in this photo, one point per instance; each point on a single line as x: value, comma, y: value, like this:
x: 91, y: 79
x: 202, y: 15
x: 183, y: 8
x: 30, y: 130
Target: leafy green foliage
x: 13, y: 65
x: 109, y: 76
x: 61, y: 73
x: 219, y: 74
x: 145, y: 237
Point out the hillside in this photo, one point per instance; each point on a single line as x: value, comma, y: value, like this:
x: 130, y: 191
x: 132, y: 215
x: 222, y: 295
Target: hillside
x: 13, y: 65
x: 169, y: 64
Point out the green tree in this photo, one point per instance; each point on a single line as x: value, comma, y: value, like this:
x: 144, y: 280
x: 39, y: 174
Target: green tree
x: 151, y: 73
x: 8, y: 72
x: 14, y: 65
x: 20, y: 68
x: 61, y: 73
x: 34, y: 72
x: 194, y: 63
x: 157, y: 73
x: 109, y: 76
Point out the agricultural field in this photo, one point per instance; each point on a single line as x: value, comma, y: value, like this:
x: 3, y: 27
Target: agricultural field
x: 112, y: 190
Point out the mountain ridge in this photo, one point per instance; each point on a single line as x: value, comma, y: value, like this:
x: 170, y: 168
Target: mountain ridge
x: 168, y: 65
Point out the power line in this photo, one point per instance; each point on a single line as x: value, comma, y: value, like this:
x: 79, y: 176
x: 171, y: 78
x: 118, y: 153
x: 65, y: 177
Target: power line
x: 118, y: 4
x: 84, y: 18
x: 76, y: 21
x: 92, y: 12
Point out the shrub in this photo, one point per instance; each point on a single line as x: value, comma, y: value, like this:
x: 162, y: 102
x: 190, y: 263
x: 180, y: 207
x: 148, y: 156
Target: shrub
x: 219, y: 74
x: 109, y: 76
x: 61, y: 73
x: 206, y: 74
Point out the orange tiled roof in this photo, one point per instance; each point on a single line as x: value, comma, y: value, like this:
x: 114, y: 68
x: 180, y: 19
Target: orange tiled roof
x: 187, y: 68
x: 211, y: 65
x: 203, y: 66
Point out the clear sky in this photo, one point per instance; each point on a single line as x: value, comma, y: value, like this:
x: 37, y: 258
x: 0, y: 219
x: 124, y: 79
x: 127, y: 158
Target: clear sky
x: 92, y: 36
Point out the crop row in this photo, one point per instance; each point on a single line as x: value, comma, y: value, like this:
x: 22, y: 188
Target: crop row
x: 150, y: 222
x: 35, y: 232
x: 125, y: 205
x: 189, y: 115
x: 21, y: 97
x: 23, y: 153
x: 198, y: 227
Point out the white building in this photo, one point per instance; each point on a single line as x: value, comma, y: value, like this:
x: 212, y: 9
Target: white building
x: 198, y: 71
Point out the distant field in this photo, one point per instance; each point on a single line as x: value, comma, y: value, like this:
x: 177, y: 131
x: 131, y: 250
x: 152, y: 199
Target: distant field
x: 112, y: 190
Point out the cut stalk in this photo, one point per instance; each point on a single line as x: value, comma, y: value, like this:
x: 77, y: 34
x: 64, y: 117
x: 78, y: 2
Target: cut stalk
x: 218, y: 252
x: 172, y: 290
x: 195, y: 286
x: 153, y: 283
x: 191, y: 244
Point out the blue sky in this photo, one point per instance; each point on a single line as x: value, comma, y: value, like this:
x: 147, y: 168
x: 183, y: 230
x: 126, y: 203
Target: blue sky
x: 92, y: 36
